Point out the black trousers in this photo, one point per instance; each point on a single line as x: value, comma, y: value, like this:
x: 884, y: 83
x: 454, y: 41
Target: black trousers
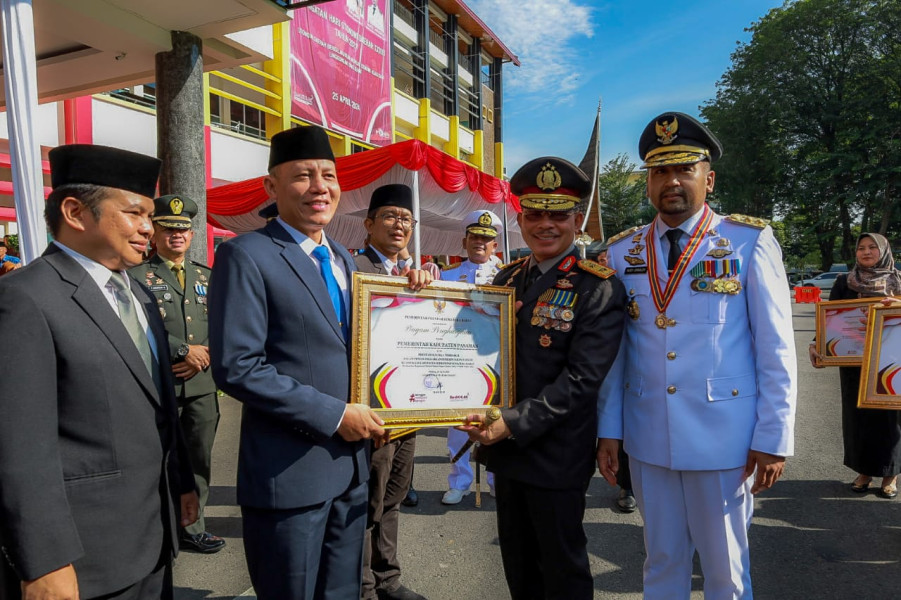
x: 390, y: 475
x: 543, y: 544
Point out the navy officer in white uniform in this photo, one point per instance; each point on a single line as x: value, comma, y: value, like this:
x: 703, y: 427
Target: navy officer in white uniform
x: 703, y: 390
x: 482, y: 228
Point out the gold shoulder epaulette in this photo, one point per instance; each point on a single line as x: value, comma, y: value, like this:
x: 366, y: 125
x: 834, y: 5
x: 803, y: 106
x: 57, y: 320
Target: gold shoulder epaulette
x: 615, y: 238
x: 596, y: 268
x: 756, y: 222
x: 515, y: 262
x: 449, y: 267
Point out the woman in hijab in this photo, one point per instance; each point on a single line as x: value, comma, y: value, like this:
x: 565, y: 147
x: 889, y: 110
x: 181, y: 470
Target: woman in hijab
x: 872, y: 437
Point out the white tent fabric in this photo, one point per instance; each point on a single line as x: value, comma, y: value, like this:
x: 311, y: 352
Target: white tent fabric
x: 20, y: 78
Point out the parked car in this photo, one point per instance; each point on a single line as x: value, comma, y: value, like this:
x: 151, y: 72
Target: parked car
x: 823, y: 281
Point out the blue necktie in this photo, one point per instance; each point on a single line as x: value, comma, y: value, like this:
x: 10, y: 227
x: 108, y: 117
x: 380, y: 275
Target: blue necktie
x: 325, y: 269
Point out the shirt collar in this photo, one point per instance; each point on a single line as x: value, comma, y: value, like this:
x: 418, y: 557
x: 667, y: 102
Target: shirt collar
x: 686, y: 226
x: 306, y: 243
x: 98, y: 272
x: 545, y: 265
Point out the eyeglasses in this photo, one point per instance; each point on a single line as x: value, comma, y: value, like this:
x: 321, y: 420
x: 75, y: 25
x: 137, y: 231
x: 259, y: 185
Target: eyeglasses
x: 534, y: 216
x: 391, y: 219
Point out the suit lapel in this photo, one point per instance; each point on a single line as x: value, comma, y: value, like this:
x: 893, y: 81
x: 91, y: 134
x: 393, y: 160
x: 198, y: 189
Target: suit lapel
x: 377, y: 263
x: 91, y: 300
x: 306, y: 271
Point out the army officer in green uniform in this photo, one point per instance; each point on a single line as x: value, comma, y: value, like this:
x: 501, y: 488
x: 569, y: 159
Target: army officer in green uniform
x: 180, y: 287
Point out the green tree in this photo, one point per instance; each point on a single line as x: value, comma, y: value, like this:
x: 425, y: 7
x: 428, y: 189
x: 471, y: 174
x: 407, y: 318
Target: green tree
x: 621, y: 190
x: 809, y: 115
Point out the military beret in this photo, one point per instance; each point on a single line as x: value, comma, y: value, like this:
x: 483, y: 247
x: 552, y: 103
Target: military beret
x: 483, y: 222
x: 393, y: 194
x: 300, y: 143
x: 550, y: 183
x: 675, y: 138
x: 174, y: 211
x: 104, y: 166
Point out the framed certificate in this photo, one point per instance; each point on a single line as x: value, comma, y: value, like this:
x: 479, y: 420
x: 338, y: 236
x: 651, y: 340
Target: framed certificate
x: 432, y: 357
x: 841, y: 331
x: 880, y: 376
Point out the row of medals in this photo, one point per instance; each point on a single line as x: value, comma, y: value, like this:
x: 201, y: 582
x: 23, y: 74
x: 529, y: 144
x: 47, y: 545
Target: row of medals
x: 200, y: 288
x: 555, y: 315
x: 718, y: 285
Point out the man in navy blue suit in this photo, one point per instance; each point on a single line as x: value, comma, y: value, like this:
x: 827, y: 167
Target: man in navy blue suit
x: 279, y: 307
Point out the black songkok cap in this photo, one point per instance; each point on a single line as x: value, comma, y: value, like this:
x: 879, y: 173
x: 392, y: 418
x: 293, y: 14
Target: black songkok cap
x: 550, y: 183
x: 174, y: 211
x: 270, y: 211
x: 104, y: 166
x: 393, y: 194
x: 300, y: 143
x: 675, y: 138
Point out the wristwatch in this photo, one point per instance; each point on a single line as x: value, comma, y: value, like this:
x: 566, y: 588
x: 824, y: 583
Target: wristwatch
x: 182, y: 351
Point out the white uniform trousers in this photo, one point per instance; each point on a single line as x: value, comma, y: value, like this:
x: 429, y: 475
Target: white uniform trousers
x: 460, y: 476
x: 684, y: 511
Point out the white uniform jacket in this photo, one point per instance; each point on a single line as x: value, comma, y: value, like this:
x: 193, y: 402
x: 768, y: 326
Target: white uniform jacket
x: 698, y: 394
x: 470, y: 272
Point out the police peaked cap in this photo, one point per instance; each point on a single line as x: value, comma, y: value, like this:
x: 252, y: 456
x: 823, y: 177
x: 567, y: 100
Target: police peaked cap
x: 104, y: 166
x: 300, y: 143
x: 393, y: 194
x: 675, y: 138
x: 174, y: 211
x: 550, y: 183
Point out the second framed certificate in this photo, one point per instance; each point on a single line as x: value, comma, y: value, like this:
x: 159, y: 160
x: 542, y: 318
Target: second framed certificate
x: 841, y: 331
x: 880, y: 377
x: 432, y: 357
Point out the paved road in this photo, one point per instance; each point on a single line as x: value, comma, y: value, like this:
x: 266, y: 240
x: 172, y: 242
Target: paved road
x: 811, y: 537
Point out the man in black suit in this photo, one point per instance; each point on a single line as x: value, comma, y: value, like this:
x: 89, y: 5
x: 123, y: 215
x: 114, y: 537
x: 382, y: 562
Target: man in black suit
x: 93, y: 472
x: 389, y: 224
x: 279, y: 309
x: 541, y: 451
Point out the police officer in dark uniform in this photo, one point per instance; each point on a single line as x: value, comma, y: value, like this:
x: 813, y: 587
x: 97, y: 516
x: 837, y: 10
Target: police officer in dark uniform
x: 569, y: 322
x: 180, y: 287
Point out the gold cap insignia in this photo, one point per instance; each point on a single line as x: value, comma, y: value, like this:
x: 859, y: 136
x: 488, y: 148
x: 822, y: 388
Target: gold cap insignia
x: 485, y: 220
x: 548, y: 178
x: 666, y: 131
x: 176, y: 206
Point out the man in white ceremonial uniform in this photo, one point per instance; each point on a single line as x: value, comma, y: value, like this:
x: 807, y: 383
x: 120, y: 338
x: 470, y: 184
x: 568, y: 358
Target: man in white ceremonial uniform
x: 703, y: 390
x: 481, y: 229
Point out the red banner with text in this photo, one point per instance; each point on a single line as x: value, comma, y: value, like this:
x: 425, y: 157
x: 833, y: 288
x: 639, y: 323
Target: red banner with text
x: 341, y: 68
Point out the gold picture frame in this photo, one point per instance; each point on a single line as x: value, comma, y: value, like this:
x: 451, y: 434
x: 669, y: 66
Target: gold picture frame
x: 880, y: 376
x: 840, y: 336
x: 430, y: 358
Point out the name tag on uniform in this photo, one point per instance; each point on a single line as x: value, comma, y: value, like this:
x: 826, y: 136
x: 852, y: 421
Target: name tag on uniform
x: 631, y: 270
x: 159, y: 288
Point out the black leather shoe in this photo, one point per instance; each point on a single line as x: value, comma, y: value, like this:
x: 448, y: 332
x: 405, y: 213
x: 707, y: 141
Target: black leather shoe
x: 626, y: 502
x: 400, y: 593
x: 411, y: 499
x: 204, y: 542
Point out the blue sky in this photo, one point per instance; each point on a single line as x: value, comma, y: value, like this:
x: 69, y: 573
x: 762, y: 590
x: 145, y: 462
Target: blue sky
x: 640, y: 57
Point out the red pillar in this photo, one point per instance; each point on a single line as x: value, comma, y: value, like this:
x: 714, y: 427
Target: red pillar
x: 78, y: 120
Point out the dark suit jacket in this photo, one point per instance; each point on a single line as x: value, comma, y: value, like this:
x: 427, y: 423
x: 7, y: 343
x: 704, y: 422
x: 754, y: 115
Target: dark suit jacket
x: 89, y: 469
x: 276, y: 346
x: 558, y: 373
x: 369, y: 262
x: 184, y: 313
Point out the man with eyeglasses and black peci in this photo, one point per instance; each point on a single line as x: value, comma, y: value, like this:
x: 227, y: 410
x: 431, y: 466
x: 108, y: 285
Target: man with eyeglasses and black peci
x: 389, y: 226
x: 569, y: 320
